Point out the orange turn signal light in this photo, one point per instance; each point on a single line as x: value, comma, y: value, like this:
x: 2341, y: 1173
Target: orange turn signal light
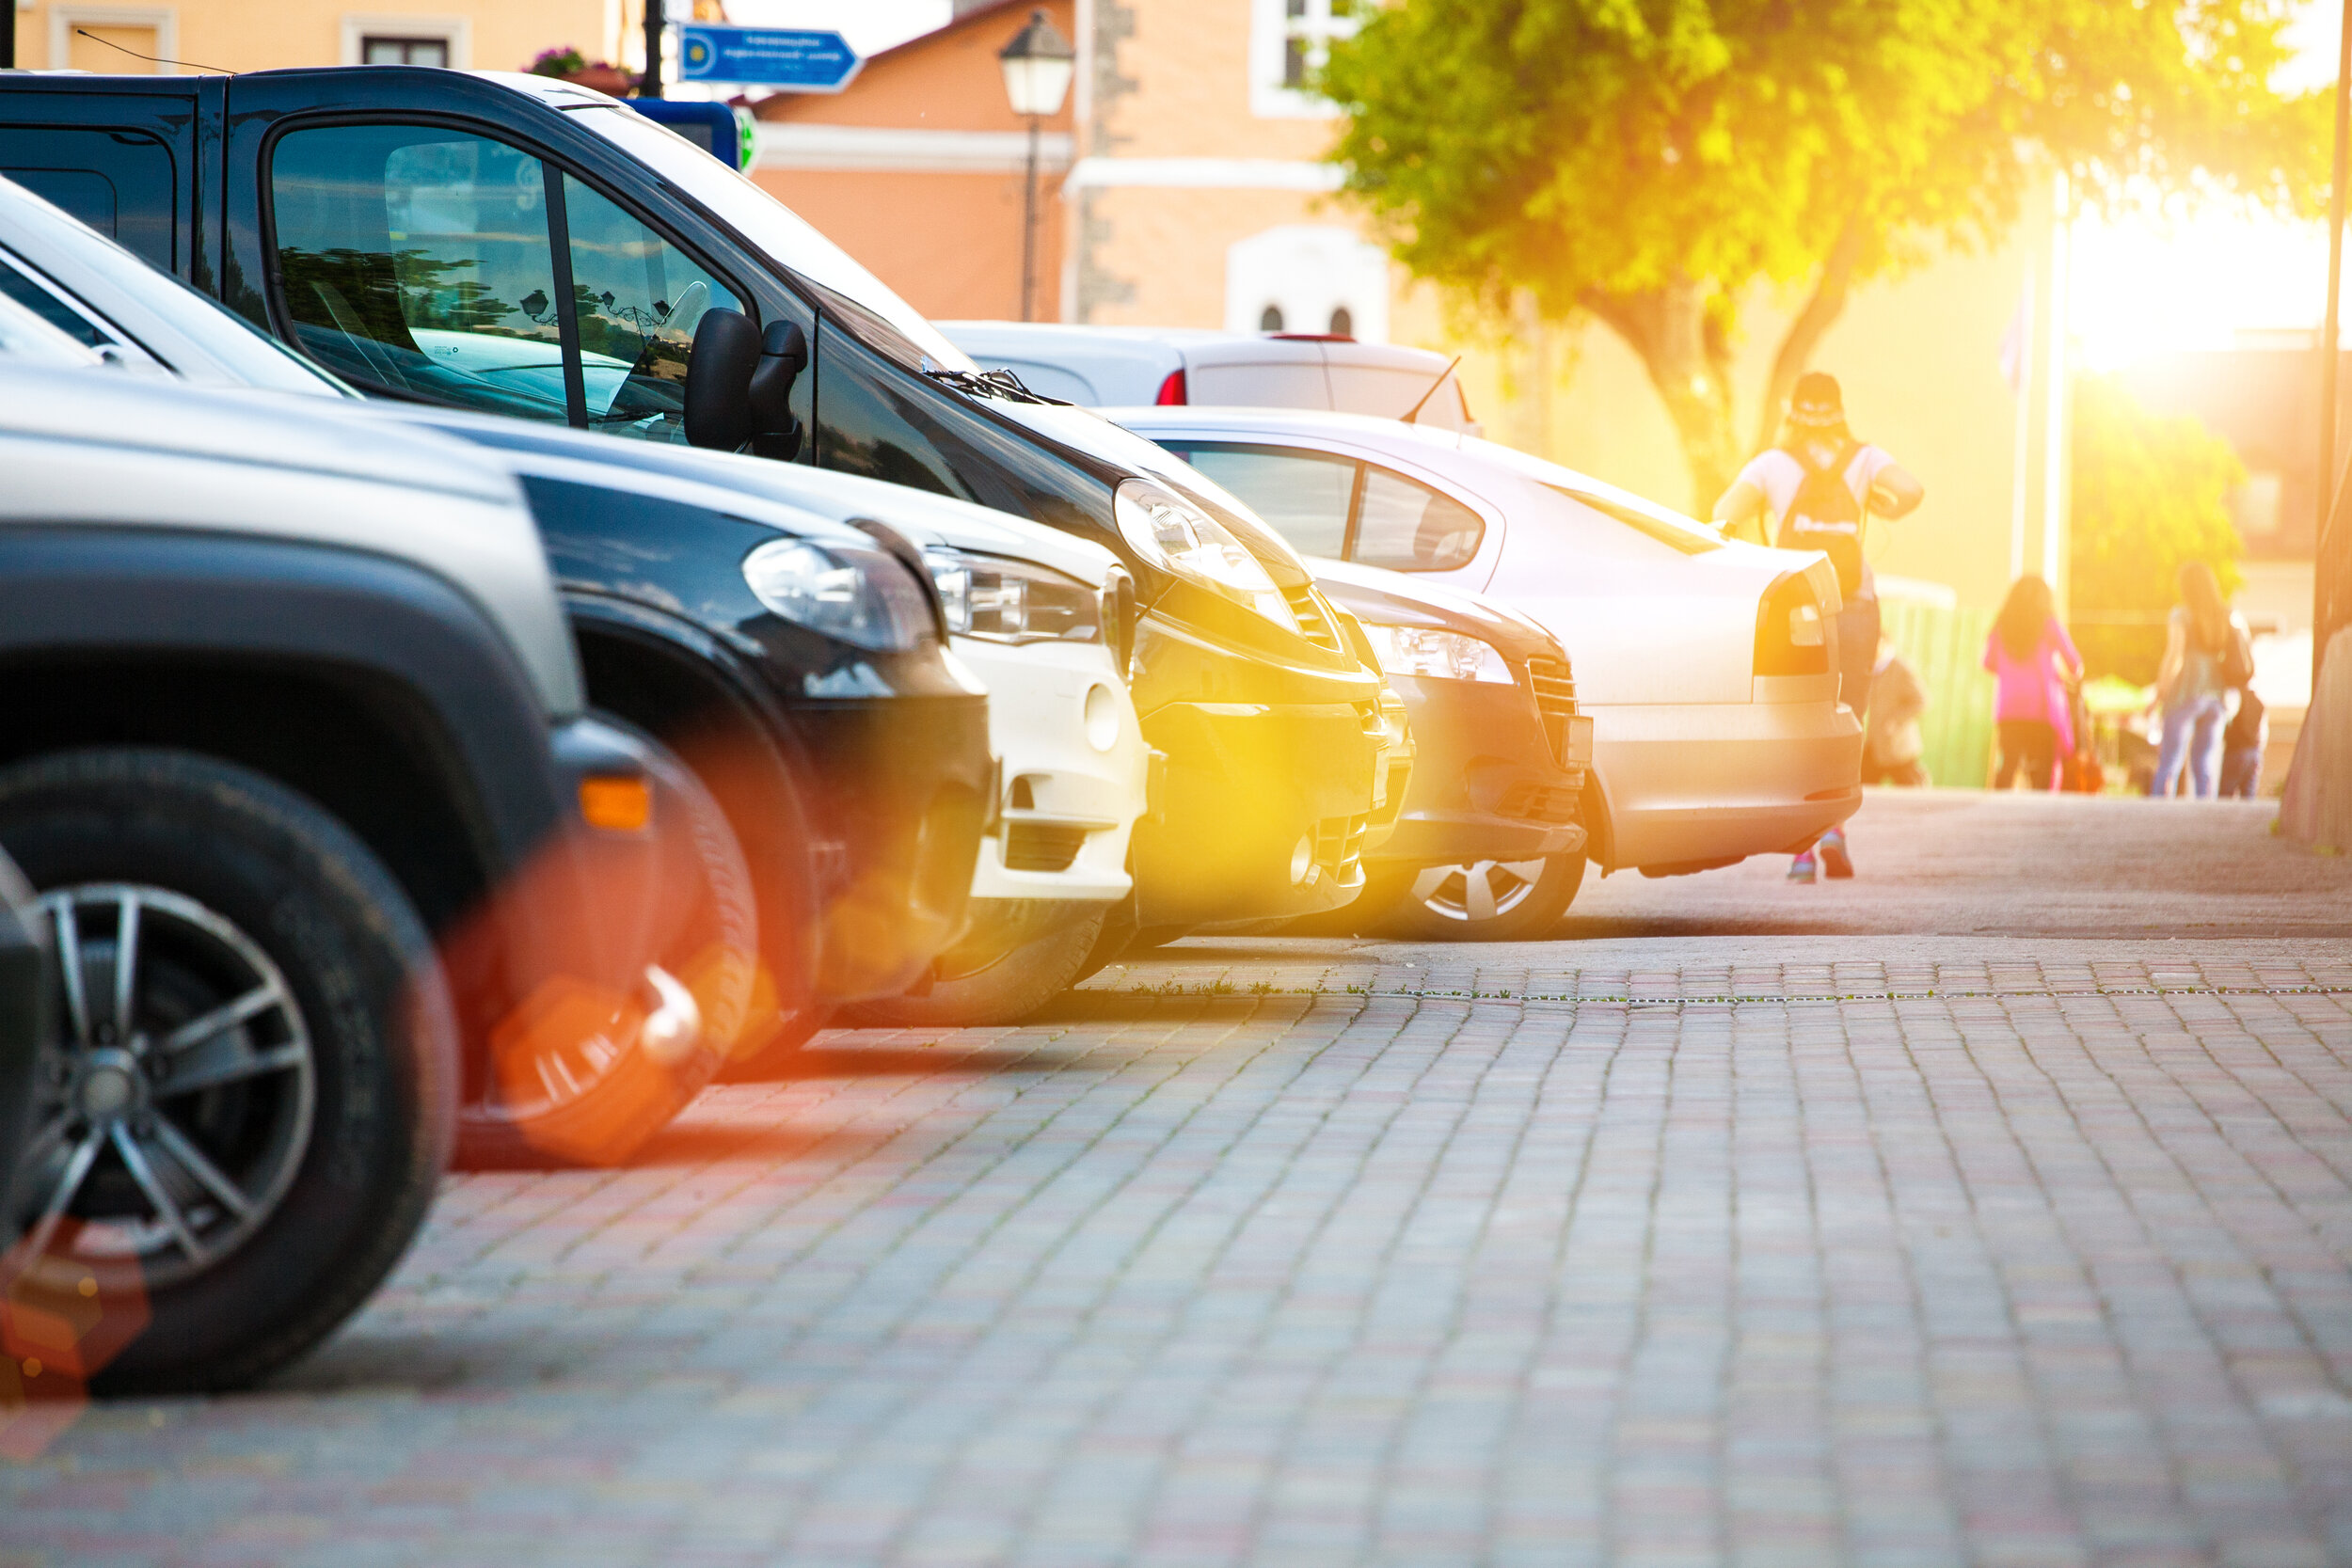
x: 618, y: 805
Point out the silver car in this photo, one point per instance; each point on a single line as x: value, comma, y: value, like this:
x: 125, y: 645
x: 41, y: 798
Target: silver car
x: 1707, y: 665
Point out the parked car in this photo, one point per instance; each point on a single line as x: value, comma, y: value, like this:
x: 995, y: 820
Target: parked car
x: 1270, y: 722
x: 1706, y: 665
x: 1048, y: 622
x: 334, y: 859
x: 1488, y: 843
x: 850, y: 756
x: 1106, y: 367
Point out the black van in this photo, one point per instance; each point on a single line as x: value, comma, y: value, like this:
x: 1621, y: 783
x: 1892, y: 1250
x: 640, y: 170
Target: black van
x: 515, y: 245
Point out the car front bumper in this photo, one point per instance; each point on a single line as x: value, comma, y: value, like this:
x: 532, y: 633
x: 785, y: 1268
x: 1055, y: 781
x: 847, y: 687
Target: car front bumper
x: 1485, y: 783
x: 1073, y: 769
x: 1692, y: 784
x: 1261, y: 759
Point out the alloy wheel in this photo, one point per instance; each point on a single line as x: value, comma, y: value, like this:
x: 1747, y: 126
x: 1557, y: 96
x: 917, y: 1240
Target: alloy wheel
x: 1478, y: 890
x: 177, y: 1088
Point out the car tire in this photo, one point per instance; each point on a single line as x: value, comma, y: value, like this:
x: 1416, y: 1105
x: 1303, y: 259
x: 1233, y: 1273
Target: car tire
x: 324, y: 1102
x: 1004, y: 991
x: 595, y: 1105
x: 1521, y: 900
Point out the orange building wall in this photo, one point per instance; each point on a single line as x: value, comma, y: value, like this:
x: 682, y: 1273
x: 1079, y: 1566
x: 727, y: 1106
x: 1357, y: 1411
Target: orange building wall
x: 949, y: 243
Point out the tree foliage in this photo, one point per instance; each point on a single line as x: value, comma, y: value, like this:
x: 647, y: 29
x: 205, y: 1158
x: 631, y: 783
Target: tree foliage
x: 1651, y: 162
x: 2148, y: 493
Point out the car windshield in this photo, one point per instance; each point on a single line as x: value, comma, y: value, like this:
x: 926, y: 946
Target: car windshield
x: 247, y: 352
x: 880, y: 319
x: 27, y: 340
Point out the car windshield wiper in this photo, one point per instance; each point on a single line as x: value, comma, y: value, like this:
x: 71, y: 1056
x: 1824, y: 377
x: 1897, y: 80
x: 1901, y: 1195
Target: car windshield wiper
x: 993, y: 384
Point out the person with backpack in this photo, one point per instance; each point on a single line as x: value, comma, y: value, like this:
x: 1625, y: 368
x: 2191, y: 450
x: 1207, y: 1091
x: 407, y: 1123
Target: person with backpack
x: 2034, y: 665
x: 1818, y: 490
x: 2208, y: 654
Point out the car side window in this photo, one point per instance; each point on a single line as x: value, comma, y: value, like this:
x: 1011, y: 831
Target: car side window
x: 639, y: 298
x: 1305, y: 495
x: 1405, y: 525
x: 417, y: 260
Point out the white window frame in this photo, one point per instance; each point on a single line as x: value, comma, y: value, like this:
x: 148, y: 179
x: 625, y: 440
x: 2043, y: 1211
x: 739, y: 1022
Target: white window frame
x: 164, y: 19
x: 1271, y: 28
x: 454, y: 31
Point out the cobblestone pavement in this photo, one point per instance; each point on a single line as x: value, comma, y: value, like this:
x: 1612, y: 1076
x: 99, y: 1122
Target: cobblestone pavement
x: 1462, y: 1258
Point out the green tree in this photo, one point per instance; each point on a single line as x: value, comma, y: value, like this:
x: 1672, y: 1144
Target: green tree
x: 1651, y: 163
x: 2150, y: 493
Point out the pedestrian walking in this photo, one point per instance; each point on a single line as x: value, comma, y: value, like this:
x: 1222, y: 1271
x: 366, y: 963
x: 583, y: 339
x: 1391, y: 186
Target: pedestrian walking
x: 1818, y: 490
x: 2208, y: 657
x: 1892, y: 745
x: 2034, y: 668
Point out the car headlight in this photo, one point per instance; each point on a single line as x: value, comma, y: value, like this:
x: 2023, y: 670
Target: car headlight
x: 1177, y: 537
x: 1426, y: 652
x: 864, y: 596
x: 1013, y: 601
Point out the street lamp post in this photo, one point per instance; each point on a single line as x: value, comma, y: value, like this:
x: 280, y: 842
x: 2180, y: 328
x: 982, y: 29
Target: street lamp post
x: 1037, y: 65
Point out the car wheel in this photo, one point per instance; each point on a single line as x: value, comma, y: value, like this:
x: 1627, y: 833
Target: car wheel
x: 573, y: 1077
x: 1483, y: 900
x: 250, y: 1078
x: 1005, y: 988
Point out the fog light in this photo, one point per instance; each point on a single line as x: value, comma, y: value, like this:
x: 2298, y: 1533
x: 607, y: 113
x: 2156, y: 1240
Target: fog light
x: 618, y: 805
x: 1303, y: 859
x: 1102, y: 718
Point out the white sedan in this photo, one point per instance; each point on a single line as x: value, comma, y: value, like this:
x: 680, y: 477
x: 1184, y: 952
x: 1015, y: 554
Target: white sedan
x: 1706, y: 665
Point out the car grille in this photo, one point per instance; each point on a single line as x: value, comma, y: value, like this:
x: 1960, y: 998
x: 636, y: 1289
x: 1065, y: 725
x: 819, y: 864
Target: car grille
x: 1532, y: 802
x: 1041, y: 845
x: 1554, y: 684
x: 1313, y: 624
x: 1339, y: 846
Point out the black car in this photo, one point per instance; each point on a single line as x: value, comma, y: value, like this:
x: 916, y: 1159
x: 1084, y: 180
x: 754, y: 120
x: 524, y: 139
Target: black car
x: 793, y: 661
x: 1487, y: 845
x: 540, y: 251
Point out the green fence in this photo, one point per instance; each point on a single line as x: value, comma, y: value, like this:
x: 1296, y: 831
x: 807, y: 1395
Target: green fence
x: 1946, y: 646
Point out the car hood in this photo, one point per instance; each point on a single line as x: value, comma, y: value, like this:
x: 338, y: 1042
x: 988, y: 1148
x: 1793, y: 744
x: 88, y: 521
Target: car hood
x: 817, y: 500
x: 102, y: 446
x: 1395, y: 598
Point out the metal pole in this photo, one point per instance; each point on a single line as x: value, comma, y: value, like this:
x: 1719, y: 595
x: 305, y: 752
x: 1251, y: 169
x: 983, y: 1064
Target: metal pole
x: 651, y: 87
x: 1028, y: 228
x: 7, y: 39
x: 2331, y: 597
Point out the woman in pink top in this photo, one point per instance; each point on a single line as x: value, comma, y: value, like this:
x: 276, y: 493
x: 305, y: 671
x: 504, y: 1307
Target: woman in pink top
x: 2032, y: 658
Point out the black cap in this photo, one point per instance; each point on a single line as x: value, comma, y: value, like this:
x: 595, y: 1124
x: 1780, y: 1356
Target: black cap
x: 1817, y: 402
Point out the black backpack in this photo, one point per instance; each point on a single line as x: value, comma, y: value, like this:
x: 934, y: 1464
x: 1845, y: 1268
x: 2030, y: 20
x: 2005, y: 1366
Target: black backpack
x: 2236, y: 661
x: 1826, y: 518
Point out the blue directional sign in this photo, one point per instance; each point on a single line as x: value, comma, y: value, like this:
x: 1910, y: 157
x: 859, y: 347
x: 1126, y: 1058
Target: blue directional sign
x: 797, y: 60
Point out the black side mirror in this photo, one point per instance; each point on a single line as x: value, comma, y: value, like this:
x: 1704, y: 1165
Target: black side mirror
x: 782, y: 355
x: 718, y: 374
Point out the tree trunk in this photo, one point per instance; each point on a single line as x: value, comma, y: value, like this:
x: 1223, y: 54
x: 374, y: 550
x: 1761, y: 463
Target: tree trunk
x: 1806, y: 331
x: 1682, y: 333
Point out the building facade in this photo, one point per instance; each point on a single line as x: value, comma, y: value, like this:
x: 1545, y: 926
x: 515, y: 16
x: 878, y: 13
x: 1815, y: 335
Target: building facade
x: 265, y: 35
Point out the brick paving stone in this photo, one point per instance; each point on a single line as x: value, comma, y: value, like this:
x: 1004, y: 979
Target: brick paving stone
x: 1372, y: 1254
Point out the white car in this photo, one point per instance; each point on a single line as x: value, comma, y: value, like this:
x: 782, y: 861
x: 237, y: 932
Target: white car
x: 1707, y: 665
x: 1103, y: 366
